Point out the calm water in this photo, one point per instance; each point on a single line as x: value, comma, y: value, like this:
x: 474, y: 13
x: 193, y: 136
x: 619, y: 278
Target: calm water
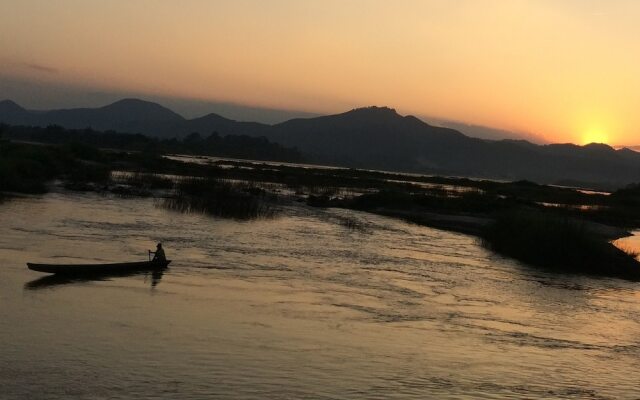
x: 296, y: 307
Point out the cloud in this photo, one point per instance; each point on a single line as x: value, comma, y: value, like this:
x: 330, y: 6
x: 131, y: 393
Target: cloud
x: 41, y: 68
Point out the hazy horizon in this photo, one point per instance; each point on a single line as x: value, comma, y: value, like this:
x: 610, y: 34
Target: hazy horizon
x: 51, y: 97
x: 562, y: 70
x: 319, y: 199
x: 194, y: 108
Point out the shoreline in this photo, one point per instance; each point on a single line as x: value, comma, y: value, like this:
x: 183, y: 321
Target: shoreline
x: 578, y: 229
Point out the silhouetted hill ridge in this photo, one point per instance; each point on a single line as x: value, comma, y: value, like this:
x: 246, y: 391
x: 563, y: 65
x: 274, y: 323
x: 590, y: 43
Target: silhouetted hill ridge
x: 10, y: 105
x: 216, y: 123
x: 10, y: 110
x: 369, y: 137
x: 133, y: 109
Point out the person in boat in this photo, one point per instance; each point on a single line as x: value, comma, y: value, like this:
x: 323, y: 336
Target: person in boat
x: 158, y: 255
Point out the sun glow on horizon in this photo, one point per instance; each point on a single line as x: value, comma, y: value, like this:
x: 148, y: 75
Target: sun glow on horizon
x: 554, y: 67
x: 595, y: 136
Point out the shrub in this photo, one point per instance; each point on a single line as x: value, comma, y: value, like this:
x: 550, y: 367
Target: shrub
x: 558, y: 243
x: 220, y: 198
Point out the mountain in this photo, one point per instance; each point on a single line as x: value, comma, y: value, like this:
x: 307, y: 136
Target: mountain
x: 128, y: 115
x: 372, y: 137
x: 13, y: 113
x: 380, y: 138
x: 483, y: 132
x: 216, y: 123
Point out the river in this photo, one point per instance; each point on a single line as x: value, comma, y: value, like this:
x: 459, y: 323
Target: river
x: 299, y: 306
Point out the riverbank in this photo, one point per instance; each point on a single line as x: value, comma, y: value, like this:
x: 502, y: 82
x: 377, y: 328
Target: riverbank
x: 237, y: 189
x: 283, y: 306
x: 545, y: 238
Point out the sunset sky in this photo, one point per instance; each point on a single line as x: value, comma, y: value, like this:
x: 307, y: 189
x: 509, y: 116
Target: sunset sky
x: 567, y: 70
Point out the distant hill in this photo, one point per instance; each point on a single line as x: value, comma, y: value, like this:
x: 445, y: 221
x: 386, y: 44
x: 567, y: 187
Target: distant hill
x: 380, y: 138
x: 634, y: 148
x: 215, y: 123
x: 484, y: 132
x: 11, y: 113
x: 373, y: 137
x: 130, y: 116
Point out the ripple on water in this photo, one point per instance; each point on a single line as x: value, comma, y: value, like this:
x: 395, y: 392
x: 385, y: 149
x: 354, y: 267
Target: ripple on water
x: 301, y: 306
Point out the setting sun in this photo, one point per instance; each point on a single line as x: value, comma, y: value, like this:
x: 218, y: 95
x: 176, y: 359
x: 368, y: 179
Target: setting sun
x: 595, y: 136
x: 355, y: 199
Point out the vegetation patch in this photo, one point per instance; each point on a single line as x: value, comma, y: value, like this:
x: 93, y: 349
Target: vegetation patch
x: 221, y: 198
x: 214, y: 144
x: 26, y: 168
x: 542, y: 225
x: 350, y: 223
x: 557, y: 242
x: 147, y: 181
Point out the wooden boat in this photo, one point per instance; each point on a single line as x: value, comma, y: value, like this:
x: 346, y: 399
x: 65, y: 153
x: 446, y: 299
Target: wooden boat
x: 95, y: 269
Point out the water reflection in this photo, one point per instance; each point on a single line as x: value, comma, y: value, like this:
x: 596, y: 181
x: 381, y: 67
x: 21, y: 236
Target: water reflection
x: 156, y: 277
x: 630, y: 244
x: 302, y: 306
x: 51, y: 281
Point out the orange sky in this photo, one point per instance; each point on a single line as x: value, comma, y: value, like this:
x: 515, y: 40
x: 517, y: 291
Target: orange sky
x: 568, y: 70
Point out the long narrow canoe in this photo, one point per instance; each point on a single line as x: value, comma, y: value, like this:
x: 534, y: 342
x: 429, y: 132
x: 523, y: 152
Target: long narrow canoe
x: 88, y: 269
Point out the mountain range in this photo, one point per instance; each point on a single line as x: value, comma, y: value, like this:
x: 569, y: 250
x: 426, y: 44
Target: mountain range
x: 372, y: 137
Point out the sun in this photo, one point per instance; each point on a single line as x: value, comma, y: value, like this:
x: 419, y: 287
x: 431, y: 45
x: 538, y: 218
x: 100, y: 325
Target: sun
x: 595, y: 136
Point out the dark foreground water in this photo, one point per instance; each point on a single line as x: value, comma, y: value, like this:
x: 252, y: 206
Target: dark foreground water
x: 297, y: 307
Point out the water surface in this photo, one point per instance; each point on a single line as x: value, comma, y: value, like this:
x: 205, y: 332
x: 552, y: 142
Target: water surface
x: 301, y: 306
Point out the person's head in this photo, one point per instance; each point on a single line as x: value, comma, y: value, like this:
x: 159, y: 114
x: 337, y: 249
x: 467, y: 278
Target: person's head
x: 159, y: 246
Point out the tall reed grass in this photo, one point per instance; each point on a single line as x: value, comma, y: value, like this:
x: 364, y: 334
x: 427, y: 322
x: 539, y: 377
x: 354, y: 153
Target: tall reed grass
x: 236, y: 200
x: 558, y: 243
